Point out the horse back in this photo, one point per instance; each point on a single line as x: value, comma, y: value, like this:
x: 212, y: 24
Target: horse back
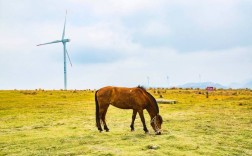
x: 122, y: 97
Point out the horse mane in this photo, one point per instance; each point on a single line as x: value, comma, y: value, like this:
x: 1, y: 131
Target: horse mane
x: 151, y: 97
x: 141, y: 87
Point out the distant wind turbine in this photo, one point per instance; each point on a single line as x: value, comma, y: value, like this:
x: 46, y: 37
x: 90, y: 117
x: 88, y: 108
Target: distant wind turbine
x: 63, y: 41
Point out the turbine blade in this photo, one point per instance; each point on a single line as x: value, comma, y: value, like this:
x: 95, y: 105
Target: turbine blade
x: 63, y: 34
x: 57, y: 41
x: 68, y: 57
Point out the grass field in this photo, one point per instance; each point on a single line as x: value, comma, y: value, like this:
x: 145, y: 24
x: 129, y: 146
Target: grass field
x: 63, y: 123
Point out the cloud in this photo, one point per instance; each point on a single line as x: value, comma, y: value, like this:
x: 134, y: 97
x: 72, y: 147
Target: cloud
x: 119, y: 8
x: 191, y: 25
x: 92, y: 56
x: 215, y: 66
x: 99, y: 35
x: 123, y: 42
x: 157, y: 64
x: 101, y: 42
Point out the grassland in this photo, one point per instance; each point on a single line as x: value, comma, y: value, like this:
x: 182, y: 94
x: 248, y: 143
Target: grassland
x: 63, y: 123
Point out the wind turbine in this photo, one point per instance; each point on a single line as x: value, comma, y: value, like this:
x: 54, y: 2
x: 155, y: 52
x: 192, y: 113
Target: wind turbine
x: 63, y: 41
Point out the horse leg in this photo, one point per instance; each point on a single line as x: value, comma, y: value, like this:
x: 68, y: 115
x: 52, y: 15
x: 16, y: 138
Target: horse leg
x: 133, y: 120
x: 98, y: 123
x: 104, y: 121
x: 97, y: 114
x: 143, y: 120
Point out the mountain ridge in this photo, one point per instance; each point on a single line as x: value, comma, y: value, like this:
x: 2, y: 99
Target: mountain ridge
x: 202, y: 85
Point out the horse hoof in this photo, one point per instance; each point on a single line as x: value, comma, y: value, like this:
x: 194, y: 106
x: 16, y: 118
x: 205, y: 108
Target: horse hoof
x: 158, y: 133
x: 132, y: 130
x: 107, y: 130
x: 147, y: 133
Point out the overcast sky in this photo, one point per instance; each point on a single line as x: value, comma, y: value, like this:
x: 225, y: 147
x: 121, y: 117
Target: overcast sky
x: 121, y: 43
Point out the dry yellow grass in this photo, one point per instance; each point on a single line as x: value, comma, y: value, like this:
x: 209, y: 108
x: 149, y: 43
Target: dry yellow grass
x: 63, y: 123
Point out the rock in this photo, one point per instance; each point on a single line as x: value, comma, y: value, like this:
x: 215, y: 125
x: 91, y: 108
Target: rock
x: 154, y: 147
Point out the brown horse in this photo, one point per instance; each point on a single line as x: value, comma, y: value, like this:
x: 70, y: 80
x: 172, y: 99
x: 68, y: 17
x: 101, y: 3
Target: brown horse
x: 136, y: 98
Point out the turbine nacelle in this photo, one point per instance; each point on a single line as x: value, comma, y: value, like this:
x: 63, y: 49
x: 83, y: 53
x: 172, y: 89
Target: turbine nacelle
x: 66, y: 40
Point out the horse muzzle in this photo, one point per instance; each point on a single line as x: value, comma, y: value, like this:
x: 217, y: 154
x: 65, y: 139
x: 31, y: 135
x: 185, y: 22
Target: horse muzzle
x: 158, y: 133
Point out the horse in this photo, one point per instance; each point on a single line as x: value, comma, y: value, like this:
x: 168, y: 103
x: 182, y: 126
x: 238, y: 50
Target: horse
x: 136, y: 98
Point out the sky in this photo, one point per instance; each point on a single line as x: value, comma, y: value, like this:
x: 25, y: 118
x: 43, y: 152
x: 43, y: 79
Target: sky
x: 154, y: 43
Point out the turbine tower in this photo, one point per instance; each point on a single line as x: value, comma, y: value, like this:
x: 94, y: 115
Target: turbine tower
x: 63, y: 41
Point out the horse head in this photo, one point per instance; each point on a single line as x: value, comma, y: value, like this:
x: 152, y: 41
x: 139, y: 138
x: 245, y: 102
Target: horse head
x: 156, y: 123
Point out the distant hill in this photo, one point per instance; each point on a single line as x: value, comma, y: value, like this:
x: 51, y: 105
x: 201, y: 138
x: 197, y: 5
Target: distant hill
x: 247, y: 84
x: 202, y: 85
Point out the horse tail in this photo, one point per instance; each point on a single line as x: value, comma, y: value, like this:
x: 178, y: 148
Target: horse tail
x: 97, y: 109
